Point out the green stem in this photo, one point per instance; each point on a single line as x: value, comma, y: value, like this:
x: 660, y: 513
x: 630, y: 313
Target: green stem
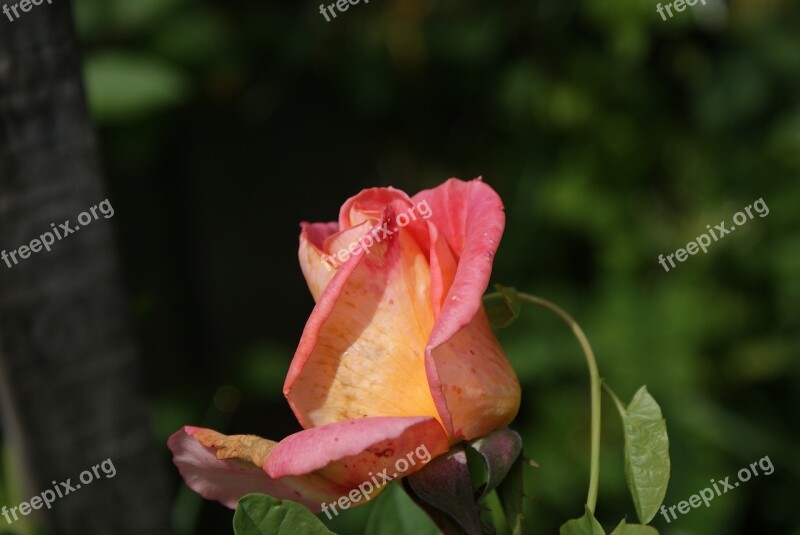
x: 594, y: 375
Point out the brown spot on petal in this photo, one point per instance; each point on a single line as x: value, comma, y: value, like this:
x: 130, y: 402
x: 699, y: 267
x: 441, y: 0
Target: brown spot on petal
x: 244, y: 448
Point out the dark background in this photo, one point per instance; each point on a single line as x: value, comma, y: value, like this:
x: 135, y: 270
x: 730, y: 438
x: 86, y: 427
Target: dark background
x: 611, y: 135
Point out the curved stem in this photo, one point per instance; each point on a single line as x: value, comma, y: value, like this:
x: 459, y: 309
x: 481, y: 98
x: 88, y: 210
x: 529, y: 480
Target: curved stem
x: 594, y: 376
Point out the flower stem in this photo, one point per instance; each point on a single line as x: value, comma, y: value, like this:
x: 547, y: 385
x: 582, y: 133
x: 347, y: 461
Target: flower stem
x: 594, y: 376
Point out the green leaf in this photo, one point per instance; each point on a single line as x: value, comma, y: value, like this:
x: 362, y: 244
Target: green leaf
x: 633, y: 529
x: 259, y: 514
x: 646, y: 452
x: 585, y: 525
x: 123, y: 86
x: 394, y: 513
x: 502, y: 309
x: 510, y: 493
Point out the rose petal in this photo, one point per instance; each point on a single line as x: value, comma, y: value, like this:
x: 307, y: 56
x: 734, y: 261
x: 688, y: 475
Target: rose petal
x: 312, y: 467
x: 320, y: 243
x: 473, y: 385
x: 221, y: 479
x: 318, y: 268
x: 478, y: 383
x: 362, y: 353
x: 370, y: 204
x: 351, y: 452
x: 469, y: 216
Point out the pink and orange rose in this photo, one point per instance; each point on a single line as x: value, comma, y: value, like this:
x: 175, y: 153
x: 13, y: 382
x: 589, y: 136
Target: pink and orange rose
x: 397, y: 352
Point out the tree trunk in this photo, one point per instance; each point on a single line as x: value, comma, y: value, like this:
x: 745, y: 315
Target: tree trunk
x: 70, y: 385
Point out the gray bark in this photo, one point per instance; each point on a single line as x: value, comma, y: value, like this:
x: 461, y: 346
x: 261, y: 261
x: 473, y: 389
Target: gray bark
x: 70, y: 385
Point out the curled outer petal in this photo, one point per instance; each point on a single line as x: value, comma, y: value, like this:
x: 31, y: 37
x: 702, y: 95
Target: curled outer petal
x: 473, y: 384
x: 311, y: 467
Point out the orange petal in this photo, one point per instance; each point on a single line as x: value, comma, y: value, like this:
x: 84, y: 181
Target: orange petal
x: 362, y: 353
x: 479, y: 385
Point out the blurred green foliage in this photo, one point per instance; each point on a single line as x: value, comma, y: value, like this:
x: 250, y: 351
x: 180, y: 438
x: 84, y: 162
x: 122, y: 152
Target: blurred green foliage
x: 612, y: 136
